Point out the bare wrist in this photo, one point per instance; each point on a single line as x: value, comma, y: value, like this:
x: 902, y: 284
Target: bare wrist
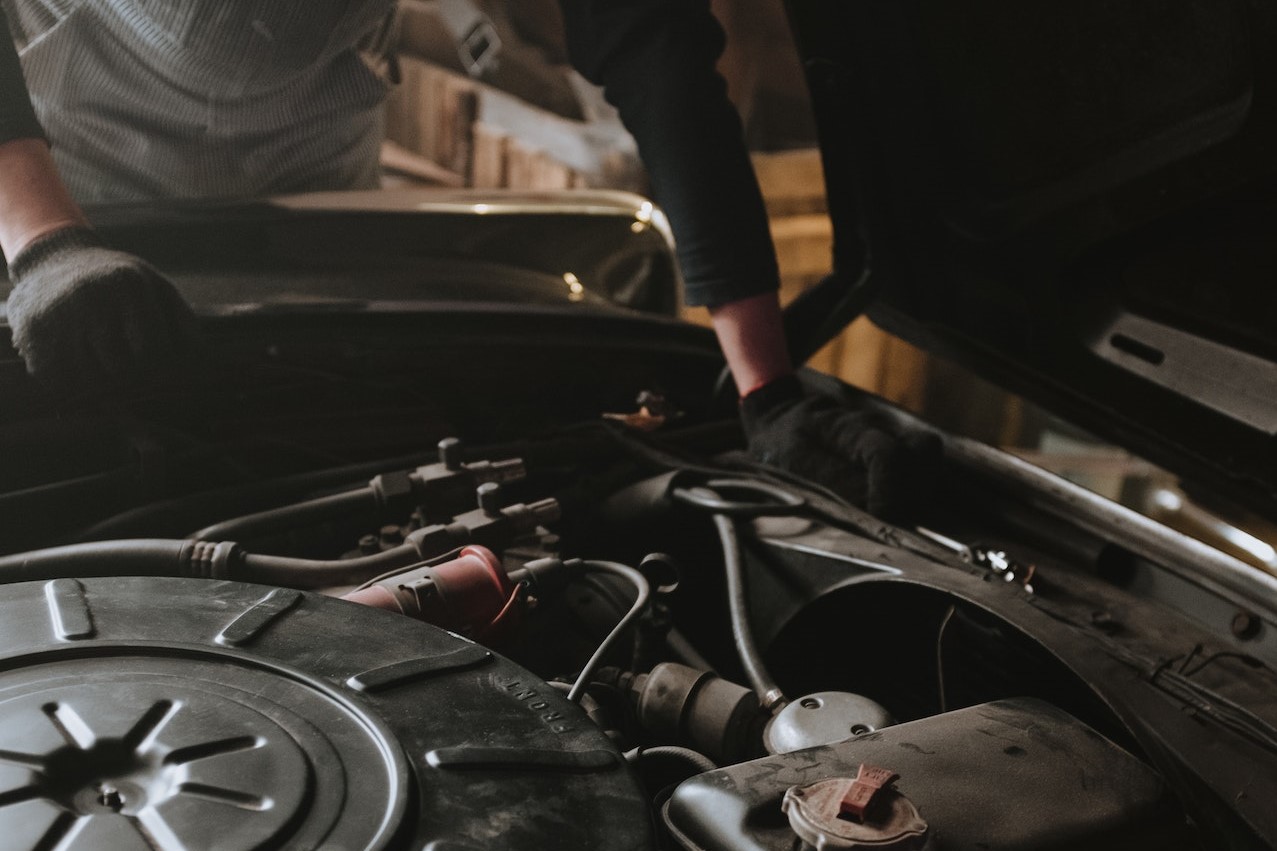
x: 33, y: 200
x: 752, y: 337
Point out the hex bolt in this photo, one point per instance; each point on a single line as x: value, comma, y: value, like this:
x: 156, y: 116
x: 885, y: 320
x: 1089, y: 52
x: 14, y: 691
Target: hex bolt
x: 450, y: 453
x: 390, y: 536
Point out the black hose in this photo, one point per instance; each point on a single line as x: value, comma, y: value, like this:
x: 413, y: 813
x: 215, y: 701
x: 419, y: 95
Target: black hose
x: 162, y: 557
x: 311, y: 574
x: 274, y: 520
x: 770, y: 697
x: 174, y: 516
x: 100, y: 558
x: 780, y: 501
x: 695, y: 760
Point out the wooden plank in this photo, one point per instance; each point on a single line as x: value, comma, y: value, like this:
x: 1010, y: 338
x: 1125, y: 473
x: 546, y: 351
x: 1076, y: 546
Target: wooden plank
x: 403, y: 128
x: 861, y: 356
x: 804, y: 245
x: 520, y: 164
x: 903, y: 376
x: 491, y: 151
x: 463, y: 109
x: 828, y: 358
x: 550, y: 174
x: 435, y: 110
x: 453, y: 119
x: 400, y: 159
x: 393, y: 116
x: 434, y: 96
x: 793, y: 182
x: 413, y: 74
x: 592, y: 148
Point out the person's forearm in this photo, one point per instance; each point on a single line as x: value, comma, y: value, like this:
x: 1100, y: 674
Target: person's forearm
x: 656, y: 62
x: 33, y: 200
x: 752, y: 337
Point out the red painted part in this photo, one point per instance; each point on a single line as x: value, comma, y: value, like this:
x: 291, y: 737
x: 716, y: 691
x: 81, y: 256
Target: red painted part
x: 472, y: 589
x: 471, y: 595
x: 375, y: 596
x: 870, y: 780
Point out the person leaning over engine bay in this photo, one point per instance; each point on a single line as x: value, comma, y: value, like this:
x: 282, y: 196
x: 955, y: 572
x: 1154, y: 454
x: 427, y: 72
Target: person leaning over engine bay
x: 109, y: 100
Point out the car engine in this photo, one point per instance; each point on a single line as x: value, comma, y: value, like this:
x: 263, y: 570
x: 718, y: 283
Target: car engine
x: 274, y: 602
x: 449, y: 656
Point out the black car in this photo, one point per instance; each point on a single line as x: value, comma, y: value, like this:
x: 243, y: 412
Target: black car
x: 479, y: 411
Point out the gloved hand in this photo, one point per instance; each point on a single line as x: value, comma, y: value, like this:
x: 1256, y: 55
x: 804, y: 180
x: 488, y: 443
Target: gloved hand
x: 83, y: 314
x: 863, y: 456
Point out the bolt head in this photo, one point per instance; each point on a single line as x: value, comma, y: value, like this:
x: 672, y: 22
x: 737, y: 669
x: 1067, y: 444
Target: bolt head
x: 1245, y: 625
x: 450, y: 453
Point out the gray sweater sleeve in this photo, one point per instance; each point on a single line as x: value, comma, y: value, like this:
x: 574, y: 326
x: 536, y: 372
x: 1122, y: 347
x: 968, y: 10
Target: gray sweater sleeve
x: 17, y: 118
x: 656, y: 62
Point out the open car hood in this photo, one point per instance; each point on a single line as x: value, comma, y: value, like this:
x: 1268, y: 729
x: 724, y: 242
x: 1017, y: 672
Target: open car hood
x: 1077, y: 200
x: 406, y: 249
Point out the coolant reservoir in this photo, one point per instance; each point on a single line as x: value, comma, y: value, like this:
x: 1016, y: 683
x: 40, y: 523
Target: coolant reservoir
x: 1016, y: 775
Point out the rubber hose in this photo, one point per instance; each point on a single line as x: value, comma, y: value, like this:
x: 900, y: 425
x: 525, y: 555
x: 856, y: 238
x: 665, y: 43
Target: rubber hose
x: 310, y: 574
x: 161, y: 557
x: 285, y: 517
x: 144, y: 557
x: 695, y: 760
x: 180, y: 513
x: 769, y: 694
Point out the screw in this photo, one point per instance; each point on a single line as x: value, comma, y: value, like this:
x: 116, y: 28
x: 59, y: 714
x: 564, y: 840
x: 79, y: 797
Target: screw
x: 1245, y: 625
x: 111, y: 798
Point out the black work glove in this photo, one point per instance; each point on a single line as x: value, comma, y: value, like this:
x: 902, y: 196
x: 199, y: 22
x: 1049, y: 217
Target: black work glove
x: 862, y: 455
x: 83, y: 314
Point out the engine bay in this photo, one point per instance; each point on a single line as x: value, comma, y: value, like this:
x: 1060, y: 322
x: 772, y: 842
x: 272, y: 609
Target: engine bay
x: 606, y: 640
x: 396, y: 572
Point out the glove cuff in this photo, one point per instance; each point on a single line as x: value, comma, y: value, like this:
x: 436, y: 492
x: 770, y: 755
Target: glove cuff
x: 759, y: 401
x: 51, y: 246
